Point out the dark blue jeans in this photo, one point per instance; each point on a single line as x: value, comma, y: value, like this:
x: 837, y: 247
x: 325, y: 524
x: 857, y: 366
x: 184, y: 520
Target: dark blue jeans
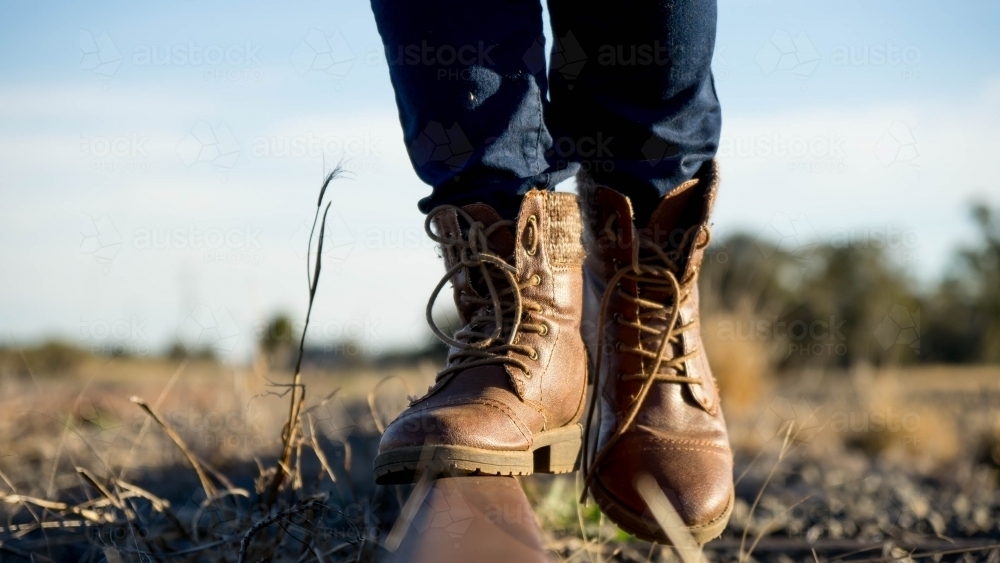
x: 629, y: 96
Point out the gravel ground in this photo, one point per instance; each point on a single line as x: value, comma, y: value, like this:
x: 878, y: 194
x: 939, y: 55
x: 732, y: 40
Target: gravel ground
x: 824, y: 500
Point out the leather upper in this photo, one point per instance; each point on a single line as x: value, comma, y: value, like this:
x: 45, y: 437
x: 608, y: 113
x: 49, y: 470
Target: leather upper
x: 678, y: 434
x: 501, y: 406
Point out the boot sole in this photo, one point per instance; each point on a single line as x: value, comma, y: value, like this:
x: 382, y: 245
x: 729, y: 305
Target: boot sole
x: 639, y: 527
x: 552, y: 451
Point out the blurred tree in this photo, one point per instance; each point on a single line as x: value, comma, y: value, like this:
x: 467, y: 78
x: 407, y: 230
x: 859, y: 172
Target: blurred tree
x: 984, y: 265
x: 278, y: 333
x: 53, y: 357
x: 821, y: 307
x: 964, y: 324
x: 178, y: 351
x: 858, y: 288
x: 279, y: 340
x: 741, y: 273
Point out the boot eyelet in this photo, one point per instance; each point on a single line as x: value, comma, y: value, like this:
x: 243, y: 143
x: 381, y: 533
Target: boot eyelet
x: 619, y: 377
x: 536, y: 280
x: 531, y: 231
x: 618, y: 346
x: 618, y: 317
x: 544, y: 330
x: 534, y: 354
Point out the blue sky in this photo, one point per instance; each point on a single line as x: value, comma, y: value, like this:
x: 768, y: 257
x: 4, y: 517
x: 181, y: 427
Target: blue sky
x: 148, y: 202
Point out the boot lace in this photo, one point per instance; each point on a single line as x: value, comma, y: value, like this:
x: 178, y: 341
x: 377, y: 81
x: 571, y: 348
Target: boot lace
x: 657, y: 323
x: 501, y: 315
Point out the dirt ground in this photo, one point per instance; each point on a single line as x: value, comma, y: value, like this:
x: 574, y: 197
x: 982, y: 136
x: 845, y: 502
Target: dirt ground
x: 866, y: 465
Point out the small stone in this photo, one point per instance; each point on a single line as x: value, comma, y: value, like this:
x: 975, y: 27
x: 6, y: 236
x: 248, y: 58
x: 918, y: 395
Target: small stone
x: 919, y: 506
x: 937, y: 522
x: 981, y: 516
x: 961, y: 506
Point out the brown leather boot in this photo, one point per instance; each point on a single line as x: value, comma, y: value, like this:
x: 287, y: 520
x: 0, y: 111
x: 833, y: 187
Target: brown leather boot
x: 659, y: 406
x: 510, y: 399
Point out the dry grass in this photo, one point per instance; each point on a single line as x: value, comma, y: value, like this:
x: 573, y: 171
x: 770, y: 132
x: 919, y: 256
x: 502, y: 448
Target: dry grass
x: 894, y: 424
x: 200, y: 441
x: 741, y: 366
x: 231, y: 424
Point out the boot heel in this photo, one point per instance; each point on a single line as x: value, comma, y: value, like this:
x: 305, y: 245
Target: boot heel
x: 562, y: 455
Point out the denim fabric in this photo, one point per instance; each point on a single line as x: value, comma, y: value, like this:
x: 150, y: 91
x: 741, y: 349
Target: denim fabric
x: 632, y: 97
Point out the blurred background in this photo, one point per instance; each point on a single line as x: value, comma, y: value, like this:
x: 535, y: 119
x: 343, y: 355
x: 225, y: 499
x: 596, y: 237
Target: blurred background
x: 160, y: 162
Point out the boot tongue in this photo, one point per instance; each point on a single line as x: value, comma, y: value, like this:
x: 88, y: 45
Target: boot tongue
x: 501, y: 242
x: 678, y: 212
x: 502, y: 239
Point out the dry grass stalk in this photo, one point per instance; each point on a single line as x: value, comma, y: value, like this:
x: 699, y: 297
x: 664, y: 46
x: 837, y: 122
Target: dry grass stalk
x: 668, y: 519
x: 318, y: 450
x: 293, y: 425
x: 248, y: 536
x: 206, y: 483
x: 55, y: 506
x: 112, y: 498
x: 145, y: 424
x: 785, y: 447
x: 373, y: 398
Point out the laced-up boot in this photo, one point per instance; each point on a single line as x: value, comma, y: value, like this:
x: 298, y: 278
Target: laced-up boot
x: 513, y: 391
x: 660, y: 418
